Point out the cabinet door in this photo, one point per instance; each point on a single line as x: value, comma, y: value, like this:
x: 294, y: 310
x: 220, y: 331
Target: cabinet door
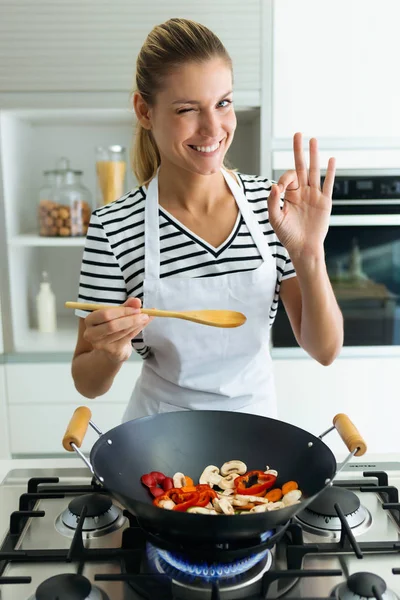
x: 92, y: 45
x: 366, y: 389
x: 42, y: 399
x: 335, y: 68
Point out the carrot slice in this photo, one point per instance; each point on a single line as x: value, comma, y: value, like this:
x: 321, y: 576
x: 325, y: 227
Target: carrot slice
x: 274, y: 495
x: 189, y: 488
x: 289, y: 486
x: 188, y: 481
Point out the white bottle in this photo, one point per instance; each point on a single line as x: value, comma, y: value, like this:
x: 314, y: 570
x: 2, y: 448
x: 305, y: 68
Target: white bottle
x: 46, y: 307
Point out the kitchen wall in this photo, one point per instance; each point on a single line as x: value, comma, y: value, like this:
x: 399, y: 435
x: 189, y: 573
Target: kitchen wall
x: 327, y: 70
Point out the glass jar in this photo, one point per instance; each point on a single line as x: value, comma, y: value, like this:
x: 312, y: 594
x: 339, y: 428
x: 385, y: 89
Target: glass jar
x: 65, y: 204
x: 111, y: 171
x: 74, y: 206
x: 47, y: 210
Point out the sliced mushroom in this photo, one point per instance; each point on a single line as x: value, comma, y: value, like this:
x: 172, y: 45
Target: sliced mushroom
x: 275, y: 505
x: 233, y: 466
x: 259, y: 508
x: 228, y: 483
x: 246, y: 499
x: 167, y: 504
x: 292, y: 497
x: 271, y: 472
x: 179, y: 480
x: 223, y: 505
x: 240, y: 501
x: 200, y: 510
x: 210, y: 475
x: 227, y: 492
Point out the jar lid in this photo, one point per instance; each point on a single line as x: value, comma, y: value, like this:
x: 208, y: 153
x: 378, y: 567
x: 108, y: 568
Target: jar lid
x: 113, y: 148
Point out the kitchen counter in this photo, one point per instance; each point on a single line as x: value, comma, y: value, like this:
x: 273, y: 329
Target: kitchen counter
x: 75, y: 462
x: 8, y: 465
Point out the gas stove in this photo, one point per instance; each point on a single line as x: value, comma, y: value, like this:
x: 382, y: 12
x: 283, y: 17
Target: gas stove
x: 66, y: 538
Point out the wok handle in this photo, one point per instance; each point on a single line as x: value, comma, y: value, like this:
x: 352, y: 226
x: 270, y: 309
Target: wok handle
x: 349, y: 434
x: 77, y: 428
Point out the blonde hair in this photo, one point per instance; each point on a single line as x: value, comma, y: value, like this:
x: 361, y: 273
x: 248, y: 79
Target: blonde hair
x: 173, y: 43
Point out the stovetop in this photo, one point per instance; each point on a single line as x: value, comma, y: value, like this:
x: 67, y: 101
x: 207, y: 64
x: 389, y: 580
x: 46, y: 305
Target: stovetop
x: 114, y: 554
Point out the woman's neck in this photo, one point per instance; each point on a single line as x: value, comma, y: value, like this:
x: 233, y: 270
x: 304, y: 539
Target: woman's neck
x: 179, y: 188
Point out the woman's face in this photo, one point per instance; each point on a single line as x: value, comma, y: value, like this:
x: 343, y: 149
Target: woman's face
x: 193, y: 119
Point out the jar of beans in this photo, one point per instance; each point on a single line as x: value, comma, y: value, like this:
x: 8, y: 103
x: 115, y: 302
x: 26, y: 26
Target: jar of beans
x: 65, y: 204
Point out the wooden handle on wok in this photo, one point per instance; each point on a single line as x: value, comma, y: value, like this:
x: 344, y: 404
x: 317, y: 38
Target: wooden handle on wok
x: 350, y: 434
x: 77, y: 428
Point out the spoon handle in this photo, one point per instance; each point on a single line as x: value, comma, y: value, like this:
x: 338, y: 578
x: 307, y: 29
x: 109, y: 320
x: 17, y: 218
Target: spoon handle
x: 87, y: 306
x: 152, y: 312
x: 155, y: 312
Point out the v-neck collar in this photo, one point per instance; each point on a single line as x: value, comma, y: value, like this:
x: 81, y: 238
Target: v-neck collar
x: 216, y: 252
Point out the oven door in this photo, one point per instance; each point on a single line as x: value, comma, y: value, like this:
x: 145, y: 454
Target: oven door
x: 362, y: 254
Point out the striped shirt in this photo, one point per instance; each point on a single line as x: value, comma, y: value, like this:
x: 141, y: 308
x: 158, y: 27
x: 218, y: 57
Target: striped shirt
x: 113, y: 259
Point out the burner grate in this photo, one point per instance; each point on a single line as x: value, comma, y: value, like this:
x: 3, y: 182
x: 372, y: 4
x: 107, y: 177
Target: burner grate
x: 217, y: 572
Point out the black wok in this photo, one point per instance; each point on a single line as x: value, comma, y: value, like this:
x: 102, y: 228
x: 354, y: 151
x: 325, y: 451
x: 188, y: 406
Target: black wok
x: 187, y: 442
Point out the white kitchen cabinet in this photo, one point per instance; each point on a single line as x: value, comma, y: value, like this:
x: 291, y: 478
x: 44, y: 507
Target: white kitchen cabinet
x: 366, y: 389
x: 30, y: 142
x: 4, y: 429
x: 92, y: 45
x: 1, y: 332
x: 42, y: 398
x: 335, y: 69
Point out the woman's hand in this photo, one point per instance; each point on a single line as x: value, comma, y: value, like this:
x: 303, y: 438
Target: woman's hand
x: 301, y: 226
x: 112, y: 330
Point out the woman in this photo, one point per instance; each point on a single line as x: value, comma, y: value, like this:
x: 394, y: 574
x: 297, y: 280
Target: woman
x: 195, y: 236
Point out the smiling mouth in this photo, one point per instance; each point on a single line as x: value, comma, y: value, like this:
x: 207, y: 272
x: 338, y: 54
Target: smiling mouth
x: 206, y: 149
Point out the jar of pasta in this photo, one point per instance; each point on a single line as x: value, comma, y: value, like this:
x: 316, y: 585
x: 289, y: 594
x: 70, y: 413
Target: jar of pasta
x: 111, y: 171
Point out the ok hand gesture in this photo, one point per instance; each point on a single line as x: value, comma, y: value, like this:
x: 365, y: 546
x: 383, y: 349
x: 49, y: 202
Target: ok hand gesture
x: 302, y: 224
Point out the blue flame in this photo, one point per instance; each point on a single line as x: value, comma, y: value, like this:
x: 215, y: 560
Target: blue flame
x: 213, y: 570
x: 177, y: 565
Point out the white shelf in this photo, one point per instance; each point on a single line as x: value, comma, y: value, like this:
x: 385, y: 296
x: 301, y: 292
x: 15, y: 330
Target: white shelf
x: 62, y: 340
x: 32, y: 239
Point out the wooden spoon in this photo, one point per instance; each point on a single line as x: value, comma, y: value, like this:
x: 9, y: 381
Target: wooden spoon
x: 214, y: 318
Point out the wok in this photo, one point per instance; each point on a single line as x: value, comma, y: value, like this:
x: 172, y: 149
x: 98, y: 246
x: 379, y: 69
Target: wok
x: 187, y: 442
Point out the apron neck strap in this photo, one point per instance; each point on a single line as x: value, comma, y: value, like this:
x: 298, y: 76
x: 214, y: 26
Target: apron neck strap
x: 152, y: 232
x: 248, y: 215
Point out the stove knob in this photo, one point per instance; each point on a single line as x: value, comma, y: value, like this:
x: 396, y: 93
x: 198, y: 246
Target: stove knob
x: 362, y: 584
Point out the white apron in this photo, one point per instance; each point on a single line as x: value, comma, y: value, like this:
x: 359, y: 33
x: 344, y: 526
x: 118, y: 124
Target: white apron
x: 196, y: 367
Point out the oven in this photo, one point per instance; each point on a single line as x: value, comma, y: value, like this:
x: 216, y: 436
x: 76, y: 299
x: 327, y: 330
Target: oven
x: 362, y: 253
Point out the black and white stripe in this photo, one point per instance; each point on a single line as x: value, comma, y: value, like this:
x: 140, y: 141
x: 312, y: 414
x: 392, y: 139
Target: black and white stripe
x: 113, y: 259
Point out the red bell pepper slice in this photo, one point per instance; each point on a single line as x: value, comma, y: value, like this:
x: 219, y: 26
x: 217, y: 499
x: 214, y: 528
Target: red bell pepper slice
x: 158, y: 476
x: 156, y: 491
x: 148, y: 480
x: 183, y: 500
x: 206, y: 495
x: 186, y: 500
x: 254, y: 483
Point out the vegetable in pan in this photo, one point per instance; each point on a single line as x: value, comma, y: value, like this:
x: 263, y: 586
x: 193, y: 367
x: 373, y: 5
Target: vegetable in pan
x: 229, y: 490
